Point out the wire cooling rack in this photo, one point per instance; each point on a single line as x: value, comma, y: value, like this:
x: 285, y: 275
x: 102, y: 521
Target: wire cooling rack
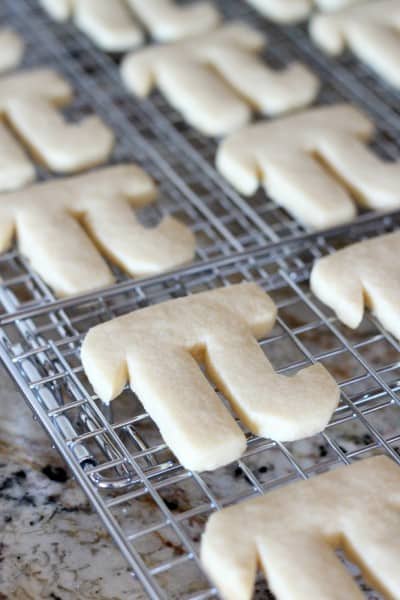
x: 181, y: 160
x: 153, y: 508
x: 220, y: 225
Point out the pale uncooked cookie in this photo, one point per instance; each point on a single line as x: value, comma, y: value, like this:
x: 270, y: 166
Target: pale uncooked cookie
x: 64, y: 147
x: 292, y: 11
x: 36, y: 83
x: 168, y: 21
x: 56, y: 221
x: 109, y: 23
x: 367, y: 272
x: 156, y: 348
x: 11, y: 50
x: 288, y: 157
x: 216, y: 79
x: 371, y: 31
x: 115, y: 25
x: 29, y: 101
x: 59, y: 10
x: 334, y: 5
x: 293, y: 533
x: 283, y: 11
x: 16, y: 169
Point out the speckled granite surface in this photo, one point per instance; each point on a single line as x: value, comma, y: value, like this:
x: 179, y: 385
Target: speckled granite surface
x: 52, y: 545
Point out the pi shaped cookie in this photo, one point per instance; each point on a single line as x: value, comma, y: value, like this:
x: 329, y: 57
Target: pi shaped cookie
x: 168, y: 21
x: 313, y: 164
x: 367, y: 272
x: 11, y: 50
x: 156, y: 348
x: 371, y: 31
x: 15, y: 167
x: 62, y: 224
x: 116, y: 25
x: 293, y: 533
x: 215, y: 80
x: 30, y: 102
x: 292, y: 11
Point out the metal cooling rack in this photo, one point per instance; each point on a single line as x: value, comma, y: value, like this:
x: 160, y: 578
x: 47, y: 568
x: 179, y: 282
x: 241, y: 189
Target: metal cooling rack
x: 145, y: 497
x: 343, y: 79
x: 220, y: 225
x: 180, y: 159
x: 153, y: 508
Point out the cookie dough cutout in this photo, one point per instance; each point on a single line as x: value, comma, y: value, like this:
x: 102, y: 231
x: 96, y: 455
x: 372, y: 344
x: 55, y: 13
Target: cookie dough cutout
x: 218, y: 329
x: 16, y: 169
x: 293, y: 532
x: 371, y: 31
x: 59, y: 10
x: 117, y: 25
x: 315, y: 164
x: 283, y: 11
x: 292, y: 11
x: 365, y: 273
x: 61, y: 225
x: 217, y: 79
x: 11, y: 50
x: 334, y: 5
x: 168, y: 21
x: 109, y: 23
x: 30, y: 102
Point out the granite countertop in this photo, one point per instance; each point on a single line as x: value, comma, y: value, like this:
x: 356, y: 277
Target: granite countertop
x: 52, y: 544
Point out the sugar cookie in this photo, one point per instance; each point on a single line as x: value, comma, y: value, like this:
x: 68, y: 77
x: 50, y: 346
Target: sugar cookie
x: 62, y: 146
x: 56, y: 221
x: 156, y: 348
x: 293, y: 532
x: 371, y: 31
x: 11, y: 50
x: 168, y: 21
x: 59, y: 10
x: 289, y: 157
x: 37, y: 83
x: 109, y: 23
x: 283, y: 11
x: 29, y: 101
x: 367, y: 272
x: 292, y: 11
x: 216, y: 79
x: 16, y: 169
x: 334, y: 5
x: 112, y: 26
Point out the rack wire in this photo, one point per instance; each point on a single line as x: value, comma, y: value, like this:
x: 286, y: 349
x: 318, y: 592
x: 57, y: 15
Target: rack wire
x: 154, y: 509
x: 342, y: 80
x: 220, y: 226
x: 152, y: 134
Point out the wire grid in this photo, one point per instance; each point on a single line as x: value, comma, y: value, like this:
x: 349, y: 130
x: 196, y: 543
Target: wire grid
x: 220, y: 226
x: 153, y: 135
x: 343, y: 79
x: 155, y: 509
x: 174, y: 139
